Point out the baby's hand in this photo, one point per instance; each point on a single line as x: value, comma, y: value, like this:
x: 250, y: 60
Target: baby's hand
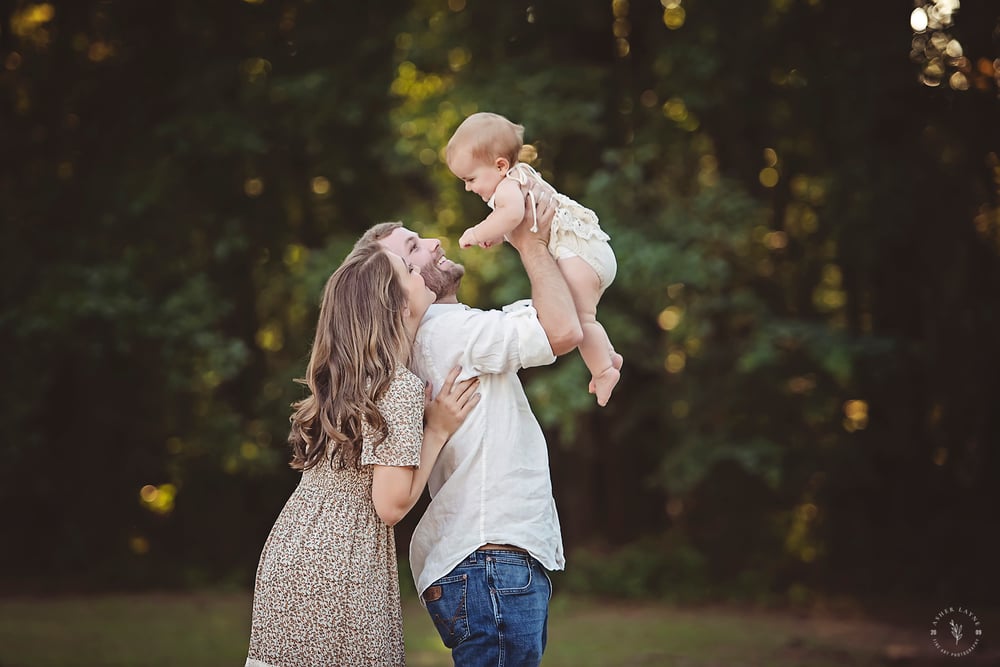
x: 468, y: 239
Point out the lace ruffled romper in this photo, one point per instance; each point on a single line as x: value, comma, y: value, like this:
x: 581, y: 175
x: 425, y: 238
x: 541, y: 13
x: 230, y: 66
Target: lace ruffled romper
x: 575, y: 230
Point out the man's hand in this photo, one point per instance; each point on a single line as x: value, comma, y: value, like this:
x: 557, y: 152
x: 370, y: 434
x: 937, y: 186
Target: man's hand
x: 522, y: 236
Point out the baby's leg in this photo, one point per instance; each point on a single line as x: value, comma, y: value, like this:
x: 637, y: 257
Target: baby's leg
x: 596, y: 350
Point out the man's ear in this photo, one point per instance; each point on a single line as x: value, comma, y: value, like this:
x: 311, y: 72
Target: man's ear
x: 503, y: 164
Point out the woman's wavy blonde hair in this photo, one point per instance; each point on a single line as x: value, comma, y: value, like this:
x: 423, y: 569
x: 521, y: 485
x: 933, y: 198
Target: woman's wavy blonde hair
x: 360, y: 340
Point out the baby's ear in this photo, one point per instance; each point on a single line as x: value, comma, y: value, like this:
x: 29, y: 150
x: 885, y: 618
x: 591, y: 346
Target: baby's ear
x: 503, y: 164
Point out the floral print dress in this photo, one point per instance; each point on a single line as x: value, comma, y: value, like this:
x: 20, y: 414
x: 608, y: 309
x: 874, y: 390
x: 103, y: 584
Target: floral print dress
x: 327, y: 587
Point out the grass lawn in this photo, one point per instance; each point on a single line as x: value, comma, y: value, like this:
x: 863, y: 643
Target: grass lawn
x: 211, y: 629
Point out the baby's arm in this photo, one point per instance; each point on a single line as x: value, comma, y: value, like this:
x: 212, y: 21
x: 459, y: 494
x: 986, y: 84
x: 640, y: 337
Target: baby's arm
x: 508, y: 210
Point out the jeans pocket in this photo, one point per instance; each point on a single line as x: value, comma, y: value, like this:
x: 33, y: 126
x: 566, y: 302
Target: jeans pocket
x: 510, y: 576
x: 445, y: 601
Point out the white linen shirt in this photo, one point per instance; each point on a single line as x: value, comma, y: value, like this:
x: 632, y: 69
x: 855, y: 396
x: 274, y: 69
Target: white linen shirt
x: 490, y: 484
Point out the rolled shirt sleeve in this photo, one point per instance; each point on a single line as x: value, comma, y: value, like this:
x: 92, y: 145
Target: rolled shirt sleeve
x: 482, y: 342
x: 533, y: 343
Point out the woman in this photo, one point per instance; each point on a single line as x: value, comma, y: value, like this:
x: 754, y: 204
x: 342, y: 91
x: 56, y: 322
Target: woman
x: 327, y: 589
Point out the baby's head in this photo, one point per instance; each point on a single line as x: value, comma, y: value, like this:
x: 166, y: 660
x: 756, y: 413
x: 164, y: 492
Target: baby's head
x: 488, y: 136
x: 481, y: 151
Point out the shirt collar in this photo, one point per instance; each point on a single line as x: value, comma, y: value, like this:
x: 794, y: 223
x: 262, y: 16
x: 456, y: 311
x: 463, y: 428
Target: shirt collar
x: 436, y: 309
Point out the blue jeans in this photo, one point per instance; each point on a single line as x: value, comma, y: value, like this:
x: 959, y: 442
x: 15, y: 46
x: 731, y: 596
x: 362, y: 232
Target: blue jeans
x: 492, y: 609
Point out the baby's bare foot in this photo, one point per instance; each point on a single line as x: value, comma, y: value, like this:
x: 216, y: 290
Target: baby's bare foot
x: 617, y: 360
x: 604, y: 384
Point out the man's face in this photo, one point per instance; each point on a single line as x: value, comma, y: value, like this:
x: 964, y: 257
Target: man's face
x: 440, y: 274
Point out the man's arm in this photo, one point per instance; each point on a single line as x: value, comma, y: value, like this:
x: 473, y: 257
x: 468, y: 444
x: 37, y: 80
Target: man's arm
x: 549, y: 293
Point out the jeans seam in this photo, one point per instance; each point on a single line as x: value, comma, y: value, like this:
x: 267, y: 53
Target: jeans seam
x: 498, y: 619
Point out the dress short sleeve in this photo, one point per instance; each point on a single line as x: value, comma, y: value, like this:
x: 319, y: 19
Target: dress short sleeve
x: 402, y: 407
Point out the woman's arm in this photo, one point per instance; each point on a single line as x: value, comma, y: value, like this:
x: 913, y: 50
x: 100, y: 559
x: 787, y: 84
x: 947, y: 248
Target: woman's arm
x: 396, y: 489
x: 508, y: 209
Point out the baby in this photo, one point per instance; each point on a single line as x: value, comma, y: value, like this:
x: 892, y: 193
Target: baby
x: 483, y: 152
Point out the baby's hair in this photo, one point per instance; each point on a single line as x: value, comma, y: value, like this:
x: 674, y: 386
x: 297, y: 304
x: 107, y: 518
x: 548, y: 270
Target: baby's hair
x: 487, y: 136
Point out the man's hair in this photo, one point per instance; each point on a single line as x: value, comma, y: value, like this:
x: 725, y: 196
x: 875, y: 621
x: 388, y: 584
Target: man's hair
x: 376, y: 233
x: 488, y: 136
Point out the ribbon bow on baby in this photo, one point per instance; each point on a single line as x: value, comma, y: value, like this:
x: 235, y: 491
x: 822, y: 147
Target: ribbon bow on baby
x: 521, y: 172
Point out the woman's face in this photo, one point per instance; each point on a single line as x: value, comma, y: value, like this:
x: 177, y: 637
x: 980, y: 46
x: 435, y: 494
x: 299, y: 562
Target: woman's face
x: 418, y: 295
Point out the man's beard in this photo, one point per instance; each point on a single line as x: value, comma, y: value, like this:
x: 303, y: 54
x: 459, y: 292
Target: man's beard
x: 443, y: 282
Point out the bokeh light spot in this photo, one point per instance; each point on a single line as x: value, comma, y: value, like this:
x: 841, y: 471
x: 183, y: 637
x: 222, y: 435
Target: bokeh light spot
x: 674, y: 16
x: 669, y: 318
x: 158, y: 499
x: 138, y: 545
x: 768, y: 177
x: 427, y: 156
x: 458, y: 58
x: 321, y: 186
x: 270, y: 338
x: 675, y: 109
x: 253, y: 187
x: 675, y: 361
x: 940, y: 456
x: 776, y: 240
x: 856, y: 415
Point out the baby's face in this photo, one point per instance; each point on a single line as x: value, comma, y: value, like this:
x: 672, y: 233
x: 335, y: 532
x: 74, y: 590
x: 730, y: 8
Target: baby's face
x: 479, y: 176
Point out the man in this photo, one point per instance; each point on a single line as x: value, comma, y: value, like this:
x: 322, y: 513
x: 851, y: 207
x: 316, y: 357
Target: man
x: 481, y: 551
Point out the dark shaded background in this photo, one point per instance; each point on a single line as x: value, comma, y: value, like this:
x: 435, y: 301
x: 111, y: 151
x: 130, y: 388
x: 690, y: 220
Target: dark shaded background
x: 802, y: 194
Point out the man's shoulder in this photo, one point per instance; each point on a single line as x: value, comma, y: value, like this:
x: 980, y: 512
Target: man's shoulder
x: 446, y: 314
x: 454, y: 321
x: 438, y: 312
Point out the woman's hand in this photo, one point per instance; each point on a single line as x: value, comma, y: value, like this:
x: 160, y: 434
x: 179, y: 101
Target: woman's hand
x: 453, y: 404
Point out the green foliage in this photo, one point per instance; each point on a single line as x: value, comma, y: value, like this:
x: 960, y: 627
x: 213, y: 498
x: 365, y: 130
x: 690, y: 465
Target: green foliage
x: 658, y: 568
x: 807, y: 245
